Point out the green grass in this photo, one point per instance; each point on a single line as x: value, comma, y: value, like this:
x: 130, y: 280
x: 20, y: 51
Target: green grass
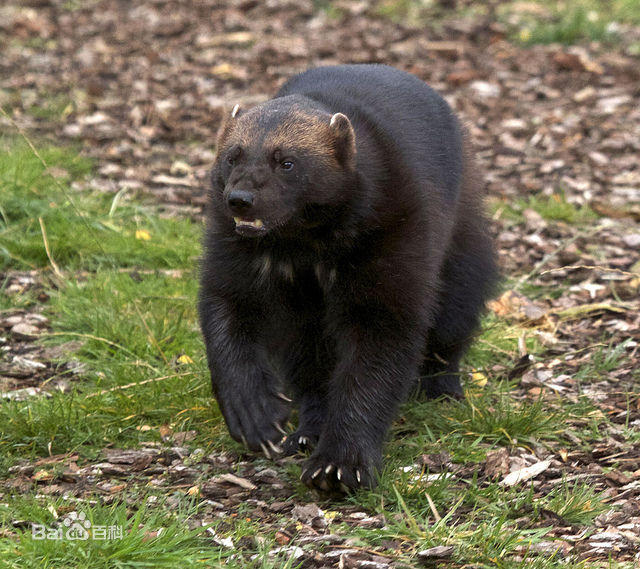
x: 132, y: 330
x: 535, y: 22
x: 565, y: 22
x: 86, y: 229
x: 145, y: 370
x: 498, y: 344
x: 133, y: 325
x: 419, y: 13
x: 52, y: 107
x: 148, y: 535
x: 553, y: 208
x: 605, y: 359
x: 176, y: 544
x: 575, y: 503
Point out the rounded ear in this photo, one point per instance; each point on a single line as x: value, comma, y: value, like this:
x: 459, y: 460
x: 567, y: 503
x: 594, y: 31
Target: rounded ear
x: 345, y: 139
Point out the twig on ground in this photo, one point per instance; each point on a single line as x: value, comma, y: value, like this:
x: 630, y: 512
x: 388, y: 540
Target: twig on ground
x: 591, y: 267
x: 137, y: 383
x: 91, y: 337
x: 54, y: 266
x: 555, y: 252
x: 152, y: 338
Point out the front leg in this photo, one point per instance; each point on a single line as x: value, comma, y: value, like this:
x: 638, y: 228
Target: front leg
x: 247, y: 391
x: 378, y: 351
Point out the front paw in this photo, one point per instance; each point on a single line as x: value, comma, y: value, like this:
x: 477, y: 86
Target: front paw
x: 343, y: 473
x: 255, y: 416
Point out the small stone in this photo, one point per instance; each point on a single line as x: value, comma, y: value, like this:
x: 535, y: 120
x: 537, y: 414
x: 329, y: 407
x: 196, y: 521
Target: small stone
x: 24, y: 331
x: 584, y: 94
x: 310, y: 514
x: 10, y: 321
x: 514, y: 125
x: 180, y: 168
x: 609, y: 105
x: 337, y: 553
x: 632, y: 240
x: 37, y: 319
x: 484, y: 89
x: 551, y: 166
x: 438, y: 552
x: 533, y: 219
x: 598, y: 158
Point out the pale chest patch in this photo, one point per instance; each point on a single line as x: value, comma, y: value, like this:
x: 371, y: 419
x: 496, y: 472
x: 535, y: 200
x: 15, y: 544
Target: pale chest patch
x: 326, y: 276
x: 262, y: 266
x: 266, y: 268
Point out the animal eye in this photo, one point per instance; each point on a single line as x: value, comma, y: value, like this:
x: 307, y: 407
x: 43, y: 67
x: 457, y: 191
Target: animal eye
x: 286, y: 165
x: 233, y: 155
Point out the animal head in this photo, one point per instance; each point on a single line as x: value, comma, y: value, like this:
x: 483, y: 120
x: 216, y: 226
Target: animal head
x: 277, y: 160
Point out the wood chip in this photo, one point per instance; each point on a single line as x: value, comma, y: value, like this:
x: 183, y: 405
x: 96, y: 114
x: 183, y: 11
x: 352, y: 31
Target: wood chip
x: 233, y: 479
x: 525, y: 474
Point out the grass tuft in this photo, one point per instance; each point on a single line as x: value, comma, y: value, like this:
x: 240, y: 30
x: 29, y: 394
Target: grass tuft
x: 576, y: 503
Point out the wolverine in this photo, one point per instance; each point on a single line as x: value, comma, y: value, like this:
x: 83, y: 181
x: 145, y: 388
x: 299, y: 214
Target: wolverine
x: 346, y: 264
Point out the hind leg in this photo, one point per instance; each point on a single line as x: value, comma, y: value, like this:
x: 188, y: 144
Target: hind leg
x: 467, y: 280
x: 440, y: 373
x: 307, y: 369
x: 311, y: 417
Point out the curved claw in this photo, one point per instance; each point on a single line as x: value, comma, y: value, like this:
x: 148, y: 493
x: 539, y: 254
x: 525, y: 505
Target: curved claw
x: 279, y: 428
x: 358, y: 477
x: 339, y: 474
x: 284, y: 397
x: 329, y: 469
x: 274, y: 448
x: 265, y: 450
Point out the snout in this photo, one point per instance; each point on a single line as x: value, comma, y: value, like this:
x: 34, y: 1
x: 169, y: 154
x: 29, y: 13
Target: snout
x: 241, y: 205
x: 240, y: 202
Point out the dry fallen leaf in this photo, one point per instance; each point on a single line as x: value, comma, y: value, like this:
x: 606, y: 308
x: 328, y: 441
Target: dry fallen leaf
x: 518, y: 307
x: 143, y: 234
x: 478, y: 378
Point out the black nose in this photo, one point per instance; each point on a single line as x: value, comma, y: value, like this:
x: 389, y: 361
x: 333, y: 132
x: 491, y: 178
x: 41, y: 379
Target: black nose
x: 239, y: 201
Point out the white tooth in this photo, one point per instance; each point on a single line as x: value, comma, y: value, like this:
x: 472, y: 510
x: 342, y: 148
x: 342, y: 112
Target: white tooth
x: 256, y: 223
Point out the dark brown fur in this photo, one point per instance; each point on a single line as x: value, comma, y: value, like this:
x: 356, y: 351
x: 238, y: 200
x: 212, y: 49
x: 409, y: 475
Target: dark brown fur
x: 356, y: 267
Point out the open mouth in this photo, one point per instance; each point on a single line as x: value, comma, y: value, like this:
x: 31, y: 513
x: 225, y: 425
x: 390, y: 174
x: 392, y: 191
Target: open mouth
x: 255, y: 223
x: 249, y: 227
